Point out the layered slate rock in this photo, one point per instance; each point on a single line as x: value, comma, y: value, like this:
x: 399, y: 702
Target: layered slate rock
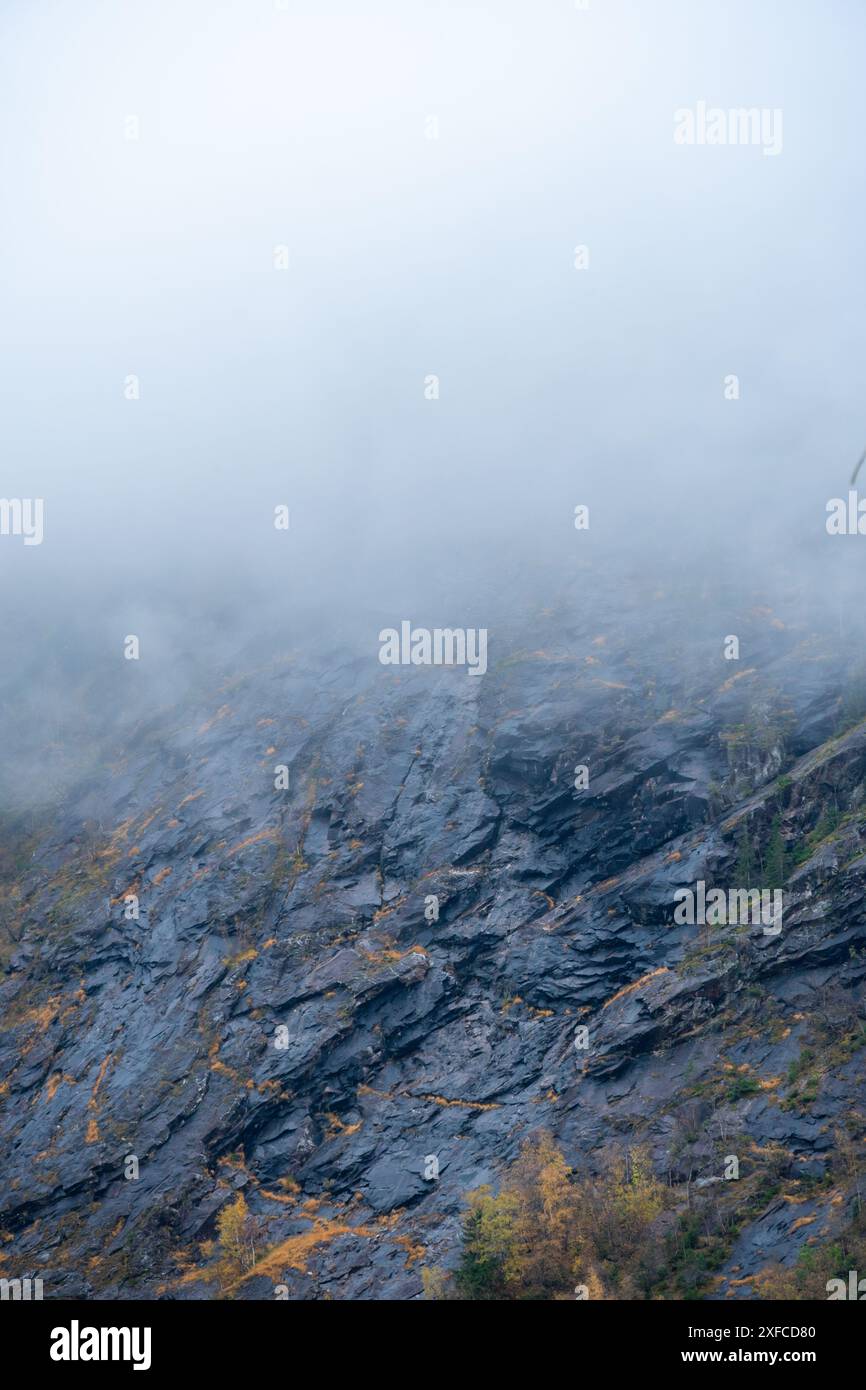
x: 407, y: 1035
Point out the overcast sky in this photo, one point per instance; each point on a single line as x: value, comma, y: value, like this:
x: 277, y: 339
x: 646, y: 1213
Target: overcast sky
x: 309, y: 126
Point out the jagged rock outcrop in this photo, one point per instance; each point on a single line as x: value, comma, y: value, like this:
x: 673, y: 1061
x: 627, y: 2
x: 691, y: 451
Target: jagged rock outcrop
x: 308, y: 910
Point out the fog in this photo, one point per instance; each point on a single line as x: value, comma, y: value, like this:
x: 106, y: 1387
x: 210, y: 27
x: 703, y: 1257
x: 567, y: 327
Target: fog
x: 429, y: 169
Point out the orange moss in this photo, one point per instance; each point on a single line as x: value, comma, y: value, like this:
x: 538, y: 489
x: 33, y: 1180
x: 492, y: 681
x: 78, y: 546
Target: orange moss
x: 236, y: 1162
x: 132, y: 889
x: 241, y: 957
x: 264, y: 1088
x: 252, y: 840
x: 56, y: 1080
x: 390, y: 953
x: 463, y: 1104
x: 750, y: 671
x: 629, y: 989
x: 222, y: 713
x: 369, y: 1091
x: 193, y: 796
x: 295, y: 1252
x: 99, y: 1079
x: 413, y: 1250
x: 336, y: 1127
x: 386, y: 911
x: 119, y: 835
x: 277, y: 1196
x: 41, y: 1015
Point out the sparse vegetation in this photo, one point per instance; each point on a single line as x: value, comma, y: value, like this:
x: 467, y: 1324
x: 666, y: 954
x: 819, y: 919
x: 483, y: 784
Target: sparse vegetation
x: 238, y: 1234
x: 548, y: 1231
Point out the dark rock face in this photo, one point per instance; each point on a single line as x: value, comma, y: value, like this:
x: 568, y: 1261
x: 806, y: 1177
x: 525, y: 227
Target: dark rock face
x: 288, y: 1017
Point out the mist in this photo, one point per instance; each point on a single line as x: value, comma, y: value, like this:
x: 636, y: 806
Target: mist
x: 294, y: 255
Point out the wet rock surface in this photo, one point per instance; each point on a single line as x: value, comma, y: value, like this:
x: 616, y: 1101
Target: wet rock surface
x: 286, y: 1017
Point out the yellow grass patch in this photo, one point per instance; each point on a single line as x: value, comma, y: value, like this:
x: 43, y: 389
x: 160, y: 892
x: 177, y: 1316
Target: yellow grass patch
x: 463, y: 1104
x: 629, y: 989
x: 253, y: 840
x: 222, y: 713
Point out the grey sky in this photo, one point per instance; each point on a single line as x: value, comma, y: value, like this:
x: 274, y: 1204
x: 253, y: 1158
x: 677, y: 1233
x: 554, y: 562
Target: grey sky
x: 410, y: 256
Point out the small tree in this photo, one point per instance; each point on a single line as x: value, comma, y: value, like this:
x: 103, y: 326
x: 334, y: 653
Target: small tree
x: 489, y: 1245
x: 237, y: 1230
x: 550, y: 1231
x: 548, y: 1218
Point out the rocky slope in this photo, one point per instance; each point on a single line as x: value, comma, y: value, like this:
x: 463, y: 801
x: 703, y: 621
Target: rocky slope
x: 284, y: 1019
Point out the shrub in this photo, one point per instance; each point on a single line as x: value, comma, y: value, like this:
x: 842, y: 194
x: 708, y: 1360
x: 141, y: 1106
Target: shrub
x: 237, y: 1230
x: 547, y: 1231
